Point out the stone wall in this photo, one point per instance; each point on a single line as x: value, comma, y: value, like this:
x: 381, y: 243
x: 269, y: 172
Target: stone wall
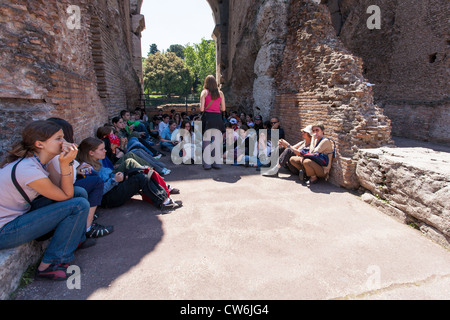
x: 320, y: 80
x: 51, y: 65
x: 407, y: 60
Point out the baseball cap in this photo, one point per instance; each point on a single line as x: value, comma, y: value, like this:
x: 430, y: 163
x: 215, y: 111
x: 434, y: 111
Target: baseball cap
x: 258, y: 118
x: 308, y: 129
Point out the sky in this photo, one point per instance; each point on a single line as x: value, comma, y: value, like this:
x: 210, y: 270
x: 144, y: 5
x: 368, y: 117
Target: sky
x: 170, y: 22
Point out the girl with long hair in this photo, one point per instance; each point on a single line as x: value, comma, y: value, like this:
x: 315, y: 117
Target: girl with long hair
x: 212, y: 104
x: 24, y: 217
x: 92, y: 184
x: 120, y: 187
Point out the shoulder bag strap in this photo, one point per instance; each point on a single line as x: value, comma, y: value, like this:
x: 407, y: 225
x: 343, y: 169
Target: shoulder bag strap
x: 209, y: 105
x: 16, y: 184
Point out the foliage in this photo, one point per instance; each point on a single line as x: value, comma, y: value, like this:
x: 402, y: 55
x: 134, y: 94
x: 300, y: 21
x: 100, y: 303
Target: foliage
x: 153, y: 49
x: 180, y: 69
x: 201, y: 60
x: 178, y: 49
x: 166, y: 74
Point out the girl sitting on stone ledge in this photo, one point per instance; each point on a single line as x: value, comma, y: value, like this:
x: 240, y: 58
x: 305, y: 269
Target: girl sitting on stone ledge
x: 24, y: 177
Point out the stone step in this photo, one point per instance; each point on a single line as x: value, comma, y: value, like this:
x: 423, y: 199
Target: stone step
x: 14, y: 262
x: 410, y: 182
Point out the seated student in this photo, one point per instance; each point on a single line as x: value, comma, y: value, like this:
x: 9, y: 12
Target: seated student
x: 153, y: 128
x: 119, y: 188
x: 321, y: 145
x: 119, y: 156
x: 20, y: 220
x: 184, y: 116
x: 193, y: 113
x: 234, y: 124
x: 134, y: 125
x: 258, y: 124
x: 189, y: 151
x: 93, y: 185
x: 233, y: 115
x: 167, y: 141
x: 177, y: 119
x: 291, y: 152
x: 249, y: 121
x: 163, y: 124
x: 130, y: 142
x: 275, y: 125
x: 230, y: 137
x: 243, y: 118
x: 246, y: 153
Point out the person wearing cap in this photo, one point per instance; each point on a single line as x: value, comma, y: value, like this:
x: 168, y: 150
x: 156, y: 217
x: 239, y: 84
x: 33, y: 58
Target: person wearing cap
x: 290, y: 152
x: 258, y: 123
x: 233, y: 123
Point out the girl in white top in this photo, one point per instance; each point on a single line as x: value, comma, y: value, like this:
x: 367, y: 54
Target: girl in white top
x: 20, y: 220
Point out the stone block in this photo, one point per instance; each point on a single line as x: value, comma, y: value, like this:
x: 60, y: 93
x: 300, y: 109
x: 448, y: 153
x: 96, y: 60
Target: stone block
x: 14, y: 262
x: 415, y: 181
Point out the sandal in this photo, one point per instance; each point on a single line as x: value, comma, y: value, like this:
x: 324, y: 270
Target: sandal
x: 55, y: 271
x: 97, y: 231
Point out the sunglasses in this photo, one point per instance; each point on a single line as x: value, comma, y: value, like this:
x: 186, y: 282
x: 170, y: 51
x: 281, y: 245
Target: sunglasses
x: 274, y: 122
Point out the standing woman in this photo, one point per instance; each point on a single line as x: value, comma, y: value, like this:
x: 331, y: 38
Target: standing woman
x: 212, y: 104
x: 20, y: 221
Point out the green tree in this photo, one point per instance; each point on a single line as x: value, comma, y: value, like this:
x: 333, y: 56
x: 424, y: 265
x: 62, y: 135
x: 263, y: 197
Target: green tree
x: 165, y: 73
x: 153, y: 48
x: 201, y: 60
x: 178, y: 49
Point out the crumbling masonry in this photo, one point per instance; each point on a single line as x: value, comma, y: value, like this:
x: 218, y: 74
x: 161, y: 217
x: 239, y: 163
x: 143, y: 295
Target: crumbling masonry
x: 302, y: 60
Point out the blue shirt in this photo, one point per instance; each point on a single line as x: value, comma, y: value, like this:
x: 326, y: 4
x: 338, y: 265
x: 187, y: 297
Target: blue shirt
x: 167, y: 134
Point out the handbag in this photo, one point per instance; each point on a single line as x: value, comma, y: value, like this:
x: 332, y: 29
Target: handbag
x: 320, y: 158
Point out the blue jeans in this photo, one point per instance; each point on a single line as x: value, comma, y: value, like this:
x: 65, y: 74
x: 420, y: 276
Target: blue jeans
x: 67, y: 218
x: 94, y: 188
x: 168, y: 145
x: 157, y: 165
x: 134, y: 143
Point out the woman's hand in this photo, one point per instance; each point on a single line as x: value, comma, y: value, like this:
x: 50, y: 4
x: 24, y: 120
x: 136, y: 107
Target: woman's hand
x: 68, y: 154
x: 84, y: 170
x: 283, y: 143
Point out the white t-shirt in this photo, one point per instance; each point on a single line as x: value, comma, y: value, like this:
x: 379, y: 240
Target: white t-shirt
x: 161, y: 127
x: 55, y: 163
x: 12, y: 204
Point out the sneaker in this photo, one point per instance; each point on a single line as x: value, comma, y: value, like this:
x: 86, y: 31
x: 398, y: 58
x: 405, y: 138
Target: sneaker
x: 173, y: 190
x: 158, y: 157
x: 55, y: 271
x: 272, y: 172
x: 172, y: 205
x: 166, y: 171
x: 97, y: 231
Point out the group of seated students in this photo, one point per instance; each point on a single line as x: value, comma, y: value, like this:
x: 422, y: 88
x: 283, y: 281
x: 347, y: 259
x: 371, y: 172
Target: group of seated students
x: 310, y: 159
x: 52, y: 187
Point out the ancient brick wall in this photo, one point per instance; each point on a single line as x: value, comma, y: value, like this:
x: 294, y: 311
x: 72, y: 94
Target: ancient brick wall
x: 320, y: 80
x: 49, y: 64
x: 407, y: 59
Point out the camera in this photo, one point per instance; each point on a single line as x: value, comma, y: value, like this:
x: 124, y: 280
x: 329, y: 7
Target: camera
x: 85, y: 171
